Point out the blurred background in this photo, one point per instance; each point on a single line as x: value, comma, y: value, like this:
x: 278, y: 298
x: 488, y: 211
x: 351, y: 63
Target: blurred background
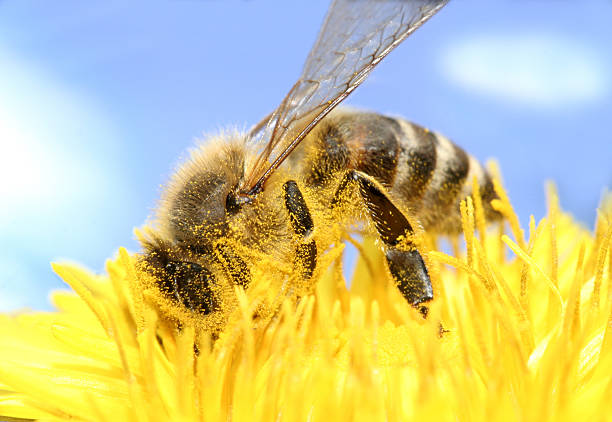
x: 100, y: 100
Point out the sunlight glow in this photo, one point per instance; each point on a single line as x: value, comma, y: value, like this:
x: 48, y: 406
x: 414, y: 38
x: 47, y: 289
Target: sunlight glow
x: 49, y: 136
x: 58, y: 169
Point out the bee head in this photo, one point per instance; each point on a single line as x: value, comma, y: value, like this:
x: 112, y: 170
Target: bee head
x: 177, y: 276
x: 197, y: 205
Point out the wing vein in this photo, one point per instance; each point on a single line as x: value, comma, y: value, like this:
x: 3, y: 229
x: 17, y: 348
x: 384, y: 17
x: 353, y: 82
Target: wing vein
x: 356, y: 35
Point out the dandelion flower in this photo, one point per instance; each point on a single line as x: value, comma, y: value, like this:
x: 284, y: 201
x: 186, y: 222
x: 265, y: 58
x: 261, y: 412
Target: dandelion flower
x: 521, y: 329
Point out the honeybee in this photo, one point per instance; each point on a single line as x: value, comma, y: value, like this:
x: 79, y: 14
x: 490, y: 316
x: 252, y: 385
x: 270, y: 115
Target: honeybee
x: 246, y: 195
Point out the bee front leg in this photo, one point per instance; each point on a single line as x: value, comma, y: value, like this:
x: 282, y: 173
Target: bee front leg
x: 301, y: 222
x: 235, y: 268
x: 406, y: 264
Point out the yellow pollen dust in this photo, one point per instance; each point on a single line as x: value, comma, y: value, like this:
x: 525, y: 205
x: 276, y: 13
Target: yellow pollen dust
x: 520, y: 329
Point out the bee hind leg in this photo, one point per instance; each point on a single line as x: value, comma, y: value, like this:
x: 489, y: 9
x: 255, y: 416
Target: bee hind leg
x: 405, y: 263
x: 301, y: 222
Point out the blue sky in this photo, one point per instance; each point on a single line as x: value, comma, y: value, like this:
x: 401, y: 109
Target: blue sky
x: 99, y: 101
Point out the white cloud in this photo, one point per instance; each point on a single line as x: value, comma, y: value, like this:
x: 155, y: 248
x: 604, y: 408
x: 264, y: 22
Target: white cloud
x: 537, y: 70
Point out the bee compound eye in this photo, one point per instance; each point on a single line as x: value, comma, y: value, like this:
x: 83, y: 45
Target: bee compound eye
x: 192, y: 285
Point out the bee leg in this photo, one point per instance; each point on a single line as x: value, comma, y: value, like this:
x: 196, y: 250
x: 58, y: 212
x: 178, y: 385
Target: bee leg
x: 406, y: 263
x: 234, y: 266
x: 301, y: 222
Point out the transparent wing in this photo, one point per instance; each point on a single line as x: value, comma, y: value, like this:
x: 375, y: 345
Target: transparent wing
x: 356, y: 35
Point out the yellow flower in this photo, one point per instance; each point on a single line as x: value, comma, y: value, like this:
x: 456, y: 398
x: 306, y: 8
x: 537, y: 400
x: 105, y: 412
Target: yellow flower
x: 521, y: 329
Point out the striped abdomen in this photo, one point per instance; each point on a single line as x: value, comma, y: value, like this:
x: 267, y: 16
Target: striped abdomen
x: 422, y: 169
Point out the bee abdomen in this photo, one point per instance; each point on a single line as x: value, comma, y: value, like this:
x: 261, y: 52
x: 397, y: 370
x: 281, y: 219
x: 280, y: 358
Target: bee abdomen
x: 433, y: 175
x: 416, y: 164
x: 367, y: 142
x: 422, y: 169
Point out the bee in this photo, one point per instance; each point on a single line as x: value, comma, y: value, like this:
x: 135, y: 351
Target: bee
x: 247, y: 195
